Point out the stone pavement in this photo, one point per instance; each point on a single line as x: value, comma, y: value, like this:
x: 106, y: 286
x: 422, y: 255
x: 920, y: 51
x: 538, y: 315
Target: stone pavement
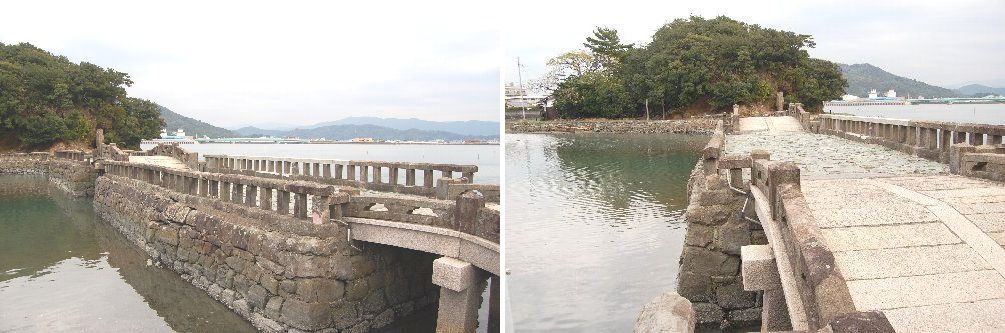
x: 772, y: 125
x: 165, y: 161
x: 925, y: 247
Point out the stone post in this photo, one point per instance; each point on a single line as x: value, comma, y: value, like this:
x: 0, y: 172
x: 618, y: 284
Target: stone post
x: 251, y: 195
x: 392, y: 175
x: 443, y: 187
x: 237, y: 195
x: 320, y: 209
x: 265, y: 200
x: 350, y: 172
x: 466, y: 211
x: 427, y: 178
x: 780, y: 101
x: 956, y: 157
x: 282, y: 202
x: 300, y: 205
x: 409, y: 177
x: 461, y: 285
x: 378, y: 174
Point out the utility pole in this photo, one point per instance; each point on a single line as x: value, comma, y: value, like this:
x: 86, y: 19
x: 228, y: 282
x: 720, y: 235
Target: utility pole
x: 523, y: 93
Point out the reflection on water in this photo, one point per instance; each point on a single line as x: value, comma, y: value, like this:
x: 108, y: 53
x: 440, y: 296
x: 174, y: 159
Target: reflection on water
x: 62, y: 270
x: 993, y: 114
x: 593, y: 226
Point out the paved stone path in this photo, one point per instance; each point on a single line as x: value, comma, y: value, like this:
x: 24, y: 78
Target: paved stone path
x: 165, y: 161
x: 925, y: 247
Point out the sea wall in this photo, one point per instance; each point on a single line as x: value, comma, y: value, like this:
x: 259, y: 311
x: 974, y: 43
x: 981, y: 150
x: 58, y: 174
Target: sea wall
x: 74, y: 177
x: 281, y: 273
x: 704, y: 125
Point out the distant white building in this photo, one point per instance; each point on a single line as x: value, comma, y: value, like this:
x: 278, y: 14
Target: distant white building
x: 891, y: 94
x: 849, y: 98
x: 873, y: 94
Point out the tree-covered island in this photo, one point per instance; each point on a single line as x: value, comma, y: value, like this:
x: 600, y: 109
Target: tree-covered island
x: 48, y: 101
x: 690, y: 66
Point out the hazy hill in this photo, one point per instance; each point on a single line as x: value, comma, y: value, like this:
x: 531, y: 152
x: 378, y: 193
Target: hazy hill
x: 470, y: 127
x: 346, y: 132
x: 972, y: 89
x: 864, y: 77
x: 193, y: 127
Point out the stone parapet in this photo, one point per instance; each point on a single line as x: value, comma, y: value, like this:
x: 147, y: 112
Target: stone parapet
x: 928, y: 139
x: 71, y: 171
x: 400, y: 177
x: 698, y: 125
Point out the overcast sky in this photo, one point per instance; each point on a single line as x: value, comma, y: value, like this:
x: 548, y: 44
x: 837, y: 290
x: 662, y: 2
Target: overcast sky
x: 947, y: 43
x: 239, y: 63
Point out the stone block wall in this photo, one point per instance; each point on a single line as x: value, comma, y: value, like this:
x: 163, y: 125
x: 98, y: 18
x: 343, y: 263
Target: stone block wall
x: 74, y: 177
x: 709, y: 274
x: 281, y: 273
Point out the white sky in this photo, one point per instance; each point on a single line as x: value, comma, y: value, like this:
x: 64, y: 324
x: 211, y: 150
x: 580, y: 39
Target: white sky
x: 947, y: 43
x: 283, y: 62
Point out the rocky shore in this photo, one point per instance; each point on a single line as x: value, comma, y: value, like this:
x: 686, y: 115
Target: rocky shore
x: 703, y: 125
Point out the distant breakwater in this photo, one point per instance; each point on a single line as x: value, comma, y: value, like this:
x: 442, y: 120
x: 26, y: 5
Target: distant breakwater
x: 704, y: 125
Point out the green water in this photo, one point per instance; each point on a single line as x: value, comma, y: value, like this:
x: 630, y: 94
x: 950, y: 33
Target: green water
x: 594, y: 226
x: 63, y: 270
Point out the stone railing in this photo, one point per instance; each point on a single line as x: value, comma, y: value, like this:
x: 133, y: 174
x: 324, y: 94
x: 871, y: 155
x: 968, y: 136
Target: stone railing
x: 373, y: 175
x: 319, y: 202
x: 267, y: 194
x: 927, y: 139
x: 74, y: 155
x: 802, y: 287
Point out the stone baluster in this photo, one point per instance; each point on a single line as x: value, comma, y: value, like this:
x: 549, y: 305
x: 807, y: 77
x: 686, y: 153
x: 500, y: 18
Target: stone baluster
x: 364, y: 173
x: 282, y: 202
x: 427, y: 178
x: 300, y: 205
x: 237, y: 195
x: 327, y: 170
x: 392, y: 176
x: 447, y: 174
x: 975, y: 138
x: 265, y: 198
x: 409, y: 177
x: 470, y: 175
x: 316, y: 171
x: 350, y: 172
x: 995, y: 139
x: 225, y: 191
x: 214, y: 188
x: 377, y: 176
x: 251, y: 195
x: 192, y: 184
x: 338, y: 171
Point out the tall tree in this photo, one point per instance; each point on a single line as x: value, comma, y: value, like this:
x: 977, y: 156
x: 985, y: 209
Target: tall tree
x: 606, y: 45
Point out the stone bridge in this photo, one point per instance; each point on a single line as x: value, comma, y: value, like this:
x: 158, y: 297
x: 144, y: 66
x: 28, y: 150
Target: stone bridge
x: 295, y: 247
x: 847, y: 224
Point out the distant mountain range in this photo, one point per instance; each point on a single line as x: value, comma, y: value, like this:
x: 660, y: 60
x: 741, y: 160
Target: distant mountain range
x: 347, y: 132
x: 979, y: 89
x: 193, y: 127
x: 345, y: 129
x: 864, y: 77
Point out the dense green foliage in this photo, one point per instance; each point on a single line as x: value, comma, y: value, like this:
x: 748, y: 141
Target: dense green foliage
x: 193, y: 127
x: 45, y: 99
x: 696, y: 63
x: 864, y: 77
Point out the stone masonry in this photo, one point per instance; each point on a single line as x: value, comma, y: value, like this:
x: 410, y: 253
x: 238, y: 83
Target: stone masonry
x: 282, y: 274
x: 709, y: 274
x: 74, y: 177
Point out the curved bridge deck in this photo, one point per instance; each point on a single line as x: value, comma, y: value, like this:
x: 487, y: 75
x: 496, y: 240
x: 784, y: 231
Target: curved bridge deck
x: 925, y: 247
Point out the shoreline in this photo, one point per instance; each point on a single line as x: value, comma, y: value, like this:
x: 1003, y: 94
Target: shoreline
x: 703, y: 126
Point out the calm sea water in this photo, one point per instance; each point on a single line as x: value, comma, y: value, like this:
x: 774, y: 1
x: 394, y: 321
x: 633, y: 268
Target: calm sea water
x: 486, y: 157
x: 594, y: 226
x: 63, y: 270
x: 967, y: 113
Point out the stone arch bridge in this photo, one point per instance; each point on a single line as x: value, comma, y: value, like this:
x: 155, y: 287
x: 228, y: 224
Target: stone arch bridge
x: 309, y: 245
